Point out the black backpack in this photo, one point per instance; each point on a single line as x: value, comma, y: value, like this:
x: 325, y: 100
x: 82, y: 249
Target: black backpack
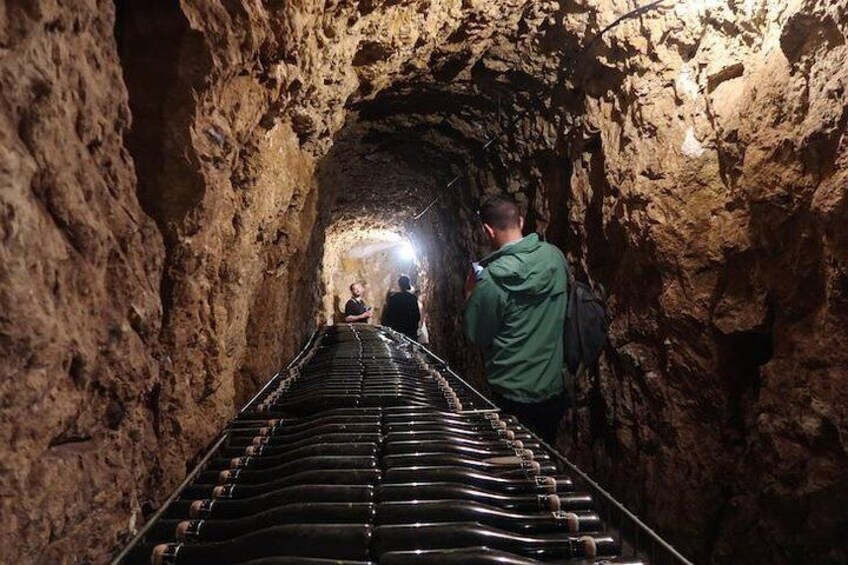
x: 586, y: 326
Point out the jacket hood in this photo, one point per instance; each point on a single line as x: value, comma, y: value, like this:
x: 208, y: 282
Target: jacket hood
x: 528, y: 266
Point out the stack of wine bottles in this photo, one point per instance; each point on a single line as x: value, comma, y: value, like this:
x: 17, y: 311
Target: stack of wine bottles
x: 361, y: 460
x: 363, y: 368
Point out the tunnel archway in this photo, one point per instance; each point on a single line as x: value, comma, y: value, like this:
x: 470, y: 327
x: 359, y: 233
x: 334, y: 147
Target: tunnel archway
x: 373, y: 258
x: 183, y: 168
x: 391, y: 175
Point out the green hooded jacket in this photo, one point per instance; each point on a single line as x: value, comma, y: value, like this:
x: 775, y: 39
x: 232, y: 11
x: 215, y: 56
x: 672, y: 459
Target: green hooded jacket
x: 516, y: 315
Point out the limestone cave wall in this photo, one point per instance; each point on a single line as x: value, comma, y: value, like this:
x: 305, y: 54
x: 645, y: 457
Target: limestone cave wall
x: 80, y: 307
x: 708, y: 185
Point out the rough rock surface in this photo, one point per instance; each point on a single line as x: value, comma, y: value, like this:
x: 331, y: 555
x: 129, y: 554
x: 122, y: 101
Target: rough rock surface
x: 79, y: 305
x: 705, y: 196
x: 169, y: 177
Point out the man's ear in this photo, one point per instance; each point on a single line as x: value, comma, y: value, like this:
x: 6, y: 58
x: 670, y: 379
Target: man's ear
x: 490, y: 232
x: 521, y: 223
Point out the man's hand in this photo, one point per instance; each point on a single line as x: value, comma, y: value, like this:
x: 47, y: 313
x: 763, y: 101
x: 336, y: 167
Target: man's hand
x: 470, y: 282
x: 367, y: 315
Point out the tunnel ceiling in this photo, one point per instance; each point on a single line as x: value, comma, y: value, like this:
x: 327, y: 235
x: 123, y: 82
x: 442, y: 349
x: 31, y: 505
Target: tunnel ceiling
x: 176, y: 171
x: 409, y: 132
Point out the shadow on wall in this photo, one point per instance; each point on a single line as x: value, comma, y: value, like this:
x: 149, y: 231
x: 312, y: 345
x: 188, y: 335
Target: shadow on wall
x: 338, y: 310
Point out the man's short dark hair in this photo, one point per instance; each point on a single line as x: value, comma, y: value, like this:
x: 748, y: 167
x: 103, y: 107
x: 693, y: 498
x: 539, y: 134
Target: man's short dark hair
x: 501, y: 212
x: 404, y: 283
x: 353, y: 285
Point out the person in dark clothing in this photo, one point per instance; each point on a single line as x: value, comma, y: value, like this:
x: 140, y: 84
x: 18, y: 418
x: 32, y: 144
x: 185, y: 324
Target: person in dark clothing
x: 355, y: 310
x: 402, y: 313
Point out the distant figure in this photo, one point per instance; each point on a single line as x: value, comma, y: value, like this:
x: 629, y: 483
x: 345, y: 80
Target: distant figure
x: 515, y: 311
x: 402, y: 313
x: 355, y: 310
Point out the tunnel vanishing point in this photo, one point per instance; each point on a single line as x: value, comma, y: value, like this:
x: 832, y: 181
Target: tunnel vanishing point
x: 186, y: 185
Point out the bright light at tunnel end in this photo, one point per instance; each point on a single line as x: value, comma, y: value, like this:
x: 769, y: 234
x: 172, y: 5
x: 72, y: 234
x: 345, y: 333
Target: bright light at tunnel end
x: 407, y: 252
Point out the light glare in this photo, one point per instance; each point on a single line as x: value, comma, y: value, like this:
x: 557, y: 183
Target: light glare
x: 407, y: 252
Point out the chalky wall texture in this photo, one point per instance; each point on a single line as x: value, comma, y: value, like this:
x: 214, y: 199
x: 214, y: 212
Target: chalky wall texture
x: 170, y: 170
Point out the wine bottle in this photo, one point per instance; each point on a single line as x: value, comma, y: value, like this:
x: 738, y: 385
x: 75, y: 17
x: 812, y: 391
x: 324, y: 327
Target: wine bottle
x: 430, y: 432
x: 459, y: 491
x: 393, y: 401
x: 402, y: 380
x: 434, y: 439
x: 441, y: 511
x: 303, y: 561
x: 309, y: 383
x: 285, y: 444
x: 469, y: 556
x: 501, y: 466
x: 293, y: 396
x: 403, y: 389
x: 282, y: 438
x: 328, y: 541
x: 420, y: 393
x: 297, y: 393
x: 238, y: 508
x: 325, y: 414
x: 480, y: 430
x: 317, y: 477
x: 413, y: 392
x: 425, y: 432
x: 270, y: 474
x: 336, y: 427
x: 350, y: 381
x: 306, y: 380
x: 454, y: 556
x: 400, y: 447
x: 399, y: 415
x: 470, y: 424
x: 206, y: 530
x: 471, y: 477
x: 303, y: 513
x: 248, y: 417
x: 269, y: 427
x: 273, y: 460
x: 311, y: 404
x: 408, y: 537
x: 422, y: 396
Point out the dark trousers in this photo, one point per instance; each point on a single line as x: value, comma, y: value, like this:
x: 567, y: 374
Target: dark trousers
x: 542, y: 418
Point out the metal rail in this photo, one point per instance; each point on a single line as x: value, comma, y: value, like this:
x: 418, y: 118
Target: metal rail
x: 637, y: 538
x: 310, y: 343
x: 640, y: 540
x: 643, y: 542
x: 190, y: 477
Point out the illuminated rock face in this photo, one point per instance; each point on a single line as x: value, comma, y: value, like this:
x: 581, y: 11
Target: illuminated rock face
x: 706, y: 194
x: 172, y: 171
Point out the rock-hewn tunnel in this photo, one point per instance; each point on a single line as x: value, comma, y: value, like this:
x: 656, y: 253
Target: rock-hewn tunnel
x: 188, y: 184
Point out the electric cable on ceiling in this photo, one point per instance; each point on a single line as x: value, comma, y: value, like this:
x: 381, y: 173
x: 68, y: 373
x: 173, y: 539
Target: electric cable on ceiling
x: 575, y: 60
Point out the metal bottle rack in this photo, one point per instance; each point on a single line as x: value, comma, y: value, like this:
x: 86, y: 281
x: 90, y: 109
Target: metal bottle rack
x: 379, y: 372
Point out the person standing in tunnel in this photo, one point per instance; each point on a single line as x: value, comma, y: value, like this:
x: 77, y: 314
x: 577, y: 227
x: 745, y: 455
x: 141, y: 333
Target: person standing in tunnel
x: 515, y: 311
x: 355, y: 310
x: 402, y: 313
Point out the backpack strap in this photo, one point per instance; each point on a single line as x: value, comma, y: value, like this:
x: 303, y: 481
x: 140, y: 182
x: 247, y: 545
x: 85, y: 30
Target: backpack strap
x: 579, y: 332
x: 572, y: 310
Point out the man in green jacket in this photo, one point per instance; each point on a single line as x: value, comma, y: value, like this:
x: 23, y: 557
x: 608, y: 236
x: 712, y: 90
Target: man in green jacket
x: 515, y: 311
